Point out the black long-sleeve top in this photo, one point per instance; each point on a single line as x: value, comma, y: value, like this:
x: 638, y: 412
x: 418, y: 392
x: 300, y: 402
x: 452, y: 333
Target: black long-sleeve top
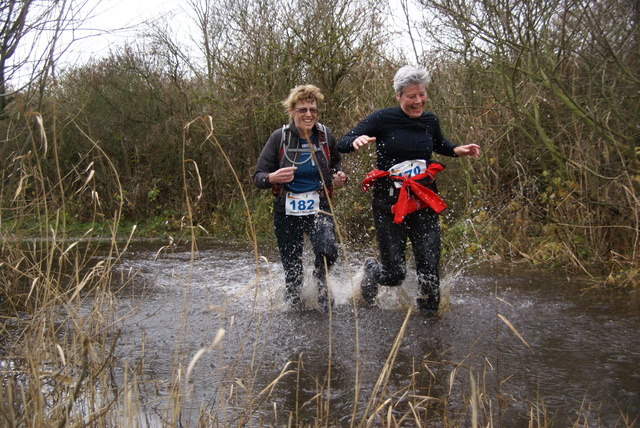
x: 398, y: 138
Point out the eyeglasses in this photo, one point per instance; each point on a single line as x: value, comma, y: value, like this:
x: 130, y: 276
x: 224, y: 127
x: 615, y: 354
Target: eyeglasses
x: 307, y: 109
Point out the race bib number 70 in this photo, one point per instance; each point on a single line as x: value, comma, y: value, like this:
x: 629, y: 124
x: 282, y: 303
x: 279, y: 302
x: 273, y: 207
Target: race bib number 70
x: 307, y: 203
x: 408, y: 169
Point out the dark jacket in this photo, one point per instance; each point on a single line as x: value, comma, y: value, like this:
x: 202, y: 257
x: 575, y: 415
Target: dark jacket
x: 270, y: 160
x: 398, y: 138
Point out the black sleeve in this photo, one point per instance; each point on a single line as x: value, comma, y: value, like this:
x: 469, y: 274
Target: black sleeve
x: 441, y: 145
x: 268, y: 161
x: 367, y: 126
x: 336, y: 158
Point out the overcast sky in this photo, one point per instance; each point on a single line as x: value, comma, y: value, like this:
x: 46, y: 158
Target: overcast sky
x: 109, y: 24
x: 112, y: 22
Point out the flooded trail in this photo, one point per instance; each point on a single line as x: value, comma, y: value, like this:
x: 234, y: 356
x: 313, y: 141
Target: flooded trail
x: 528, y: 345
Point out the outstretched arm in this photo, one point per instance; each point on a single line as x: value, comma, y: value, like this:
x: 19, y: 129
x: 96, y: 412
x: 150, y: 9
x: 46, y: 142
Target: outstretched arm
x: 472, y: 150
x: 362, y: 140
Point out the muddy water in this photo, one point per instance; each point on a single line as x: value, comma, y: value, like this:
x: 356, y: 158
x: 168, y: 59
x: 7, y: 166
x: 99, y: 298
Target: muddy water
x: 534, y: 343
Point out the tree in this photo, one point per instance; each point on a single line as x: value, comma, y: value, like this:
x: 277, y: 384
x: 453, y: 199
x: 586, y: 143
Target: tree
x: 30, y: 32
x: 553, y: 86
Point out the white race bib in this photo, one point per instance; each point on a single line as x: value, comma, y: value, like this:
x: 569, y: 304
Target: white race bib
x: 307, y: 203
x: 408, y: 169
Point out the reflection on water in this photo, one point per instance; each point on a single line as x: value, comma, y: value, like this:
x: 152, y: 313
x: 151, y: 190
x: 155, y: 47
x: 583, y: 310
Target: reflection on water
x: 533, y: 343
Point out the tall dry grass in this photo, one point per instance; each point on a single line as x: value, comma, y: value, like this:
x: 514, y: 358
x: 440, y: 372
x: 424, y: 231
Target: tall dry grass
x: 61, y: 362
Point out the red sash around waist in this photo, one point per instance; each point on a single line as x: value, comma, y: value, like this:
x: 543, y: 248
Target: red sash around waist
x: 406, y: 204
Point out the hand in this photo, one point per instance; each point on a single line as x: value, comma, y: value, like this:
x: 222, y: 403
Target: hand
x: 339, y: 178
x: 472, y: 150
x: 283, y: 175
x: 362, y: 140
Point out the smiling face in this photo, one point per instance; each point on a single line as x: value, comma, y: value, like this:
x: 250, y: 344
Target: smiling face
x: 412, y: 100
x: 305, y: 116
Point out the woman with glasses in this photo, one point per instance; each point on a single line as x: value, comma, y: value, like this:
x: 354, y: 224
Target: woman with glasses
x: 405, y: 202
x: 300, y: 163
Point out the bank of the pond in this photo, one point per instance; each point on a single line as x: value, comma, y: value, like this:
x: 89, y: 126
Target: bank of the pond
x: 462, y: 239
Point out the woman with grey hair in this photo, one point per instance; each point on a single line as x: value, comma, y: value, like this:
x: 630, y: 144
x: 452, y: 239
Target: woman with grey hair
x: 405, y: 203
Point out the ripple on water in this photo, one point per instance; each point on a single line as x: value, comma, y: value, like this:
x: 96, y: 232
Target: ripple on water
x: 582, y: 347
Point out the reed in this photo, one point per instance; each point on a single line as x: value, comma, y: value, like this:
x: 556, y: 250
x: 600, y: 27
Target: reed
x: 62, y: 361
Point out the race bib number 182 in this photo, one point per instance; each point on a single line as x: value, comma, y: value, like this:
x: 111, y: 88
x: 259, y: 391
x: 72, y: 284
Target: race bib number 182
x: 306, y: 203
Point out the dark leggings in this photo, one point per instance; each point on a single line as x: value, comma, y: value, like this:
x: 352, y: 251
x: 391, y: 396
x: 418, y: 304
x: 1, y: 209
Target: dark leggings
x: 290, y: 231
x: 422, y: 227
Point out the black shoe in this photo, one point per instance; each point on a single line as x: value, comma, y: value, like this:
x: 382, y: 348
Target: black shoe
x: 324, y: 303
x: 428, y: 305
x: 293, y: 300
x: 368, y: 286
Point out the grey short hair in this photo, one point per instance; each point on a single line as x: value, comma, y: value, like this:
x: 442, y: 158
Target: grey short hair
x: 410, y: 75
